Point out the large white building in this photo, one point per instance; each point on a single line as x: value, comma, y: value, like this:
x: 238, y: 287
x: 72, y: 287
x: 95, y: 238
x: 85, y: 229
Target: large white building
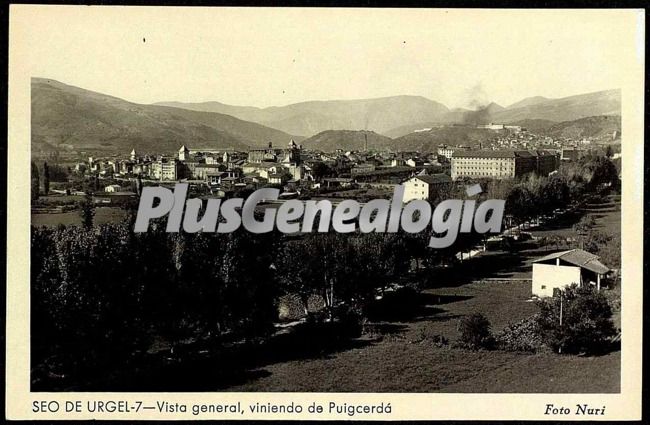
x: 500, y: 164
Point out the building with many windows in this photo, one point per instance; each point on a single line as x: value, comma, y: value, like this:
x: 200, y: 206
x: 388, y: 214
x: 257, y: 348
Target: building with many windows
x: 501, y: 164
x: 446, y: 151
x: 165, y: 169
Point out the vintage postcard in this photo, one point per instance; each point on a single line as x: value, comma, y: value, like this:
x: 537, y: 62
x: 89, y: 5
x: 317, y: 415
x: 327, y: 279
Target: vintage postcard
x: 324, y: 213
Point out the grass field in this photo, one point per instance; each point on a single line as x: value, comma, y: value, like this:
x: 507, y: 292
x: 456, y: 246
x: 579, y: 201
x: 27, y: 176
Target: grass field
x: 103, y: 215
x: 403, y: 358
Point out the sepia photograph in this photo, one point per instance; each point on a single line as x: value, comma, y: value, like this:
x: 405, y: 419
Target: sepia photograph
x: 260, y: 200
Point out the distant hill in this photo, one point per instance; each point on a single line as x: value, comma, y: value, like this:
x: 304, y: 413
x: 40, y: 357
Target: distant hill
x: 455, y: 116
x: 451, y: 135
x: 565, y: 109
x: 71, y: 118
x: 601, y: 128
x: 493, y: 108
x: 68, y: 117
x: 332, y: 140
x: 400, y: 115
x: 309, y: 118
x: 529, y: 101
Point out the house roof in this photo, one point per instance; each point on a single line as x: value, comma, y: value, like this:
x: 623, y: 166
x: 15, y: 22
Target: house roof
x: 498, y: 153
x: 261, y: 165
x: 434, y: 178
x: 338, y: 179
x: 113, y: 194
x: 485, y: 154
x: 578, y: 257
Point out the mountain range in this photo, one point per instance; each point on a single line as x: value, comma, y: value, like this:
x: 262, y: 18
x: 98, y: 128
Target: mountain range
x: 400, y: 115
x: 66, y: 117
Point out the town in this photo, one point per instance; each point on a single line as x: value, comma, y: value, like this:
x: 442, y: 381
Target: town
x: 513, y: 152
x: 560, y: 227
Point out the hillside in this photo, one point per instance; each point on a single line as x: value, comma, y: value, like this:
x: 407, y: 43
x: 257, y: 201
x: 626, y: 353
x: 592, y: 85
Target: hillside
x: 309, y: 118
x: 534, y: 125
x: 70, y: 118
x: 601, y: 128
x: 529, y: 101
x: 451, y: 135
x: 565, y: 109
x: 331, y: 140
x: 411, y: 128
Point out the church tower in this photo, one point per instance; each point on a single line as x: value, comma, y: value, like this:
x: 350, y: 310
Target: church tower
x: 294, y: 152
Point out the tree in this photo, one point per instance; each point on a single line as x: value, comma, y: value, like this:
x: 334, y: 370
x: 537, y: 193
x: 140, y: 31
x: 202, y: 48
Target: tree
x: 557, y: 192
x: 519, y: 204
x: 35, y: 182
x: 320, y: 170
x: 577, y: 319
x: 609, y: 152
x: 475, y: 332
x: 46, y: 179
x: 292, y: 274
x: 604, y: 173
x: 138, y: 185
x: 87, y: 212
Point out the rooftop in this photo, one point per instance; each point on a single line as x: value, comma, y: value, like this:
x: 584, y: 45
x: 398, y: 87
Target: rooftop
x: 578, y: 257
x: 434, y: 178
x: 498, y: 153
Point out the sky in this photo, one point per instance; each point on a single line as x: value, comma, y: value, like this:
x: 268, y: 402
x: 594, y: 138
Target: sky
x: 274, y: 57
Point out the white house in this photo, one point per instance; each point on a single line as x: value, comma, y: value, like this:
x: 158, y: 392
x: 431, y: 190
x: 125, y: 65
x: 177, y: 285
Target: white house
x: 414, y: 162
x: 424, y: 186
x: 445, y: 151
x: 559, y: 270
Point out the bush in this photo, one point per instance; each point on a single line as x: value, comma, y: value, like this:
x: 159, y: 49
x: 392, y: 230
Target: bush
x: 587, y: 325
x: 521, y: 336
x: 434, y: 339
x: 475, y: 332
x: 350, y: 321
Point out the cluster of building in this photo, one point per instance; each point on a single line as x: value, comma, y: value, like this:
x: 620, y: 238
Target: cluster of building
x: 512, y: 153
x: 214, y: 167
x: 516, y: 137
